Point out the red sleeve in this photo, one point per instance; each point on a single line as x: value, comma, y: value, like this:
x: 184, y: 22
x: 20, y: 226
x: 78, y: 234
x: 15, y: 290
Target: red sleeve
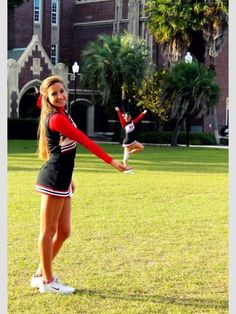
x: 60, y: 123
x: 39, y: 102
x: 121, y: 118
x: 140, y: 117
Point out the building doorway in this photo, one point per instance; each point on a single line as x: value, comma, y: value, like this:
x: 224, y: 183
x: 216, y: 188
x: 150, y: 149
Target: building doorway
x: 27, y: 106
x: 79, y: 115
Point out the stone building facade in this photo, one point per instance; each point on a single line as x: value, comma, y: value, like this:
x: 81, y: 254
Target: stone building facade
x: 46, y: 37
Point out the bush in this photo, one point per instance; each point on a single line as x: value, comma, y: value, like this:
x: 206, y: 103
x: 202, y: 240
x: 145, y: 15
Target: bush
x: 197, y: 138
x: 224, y: 141
x: 165, y: 138
x: 19, y: 128
x: 155, y: 137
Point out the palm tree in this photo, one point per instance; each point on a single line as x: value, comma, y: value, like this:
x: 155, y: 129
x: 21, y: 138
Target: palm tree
x: 173, y: 23
x: 188, y: 90
x: 114, y: 66
x: 215, y: 28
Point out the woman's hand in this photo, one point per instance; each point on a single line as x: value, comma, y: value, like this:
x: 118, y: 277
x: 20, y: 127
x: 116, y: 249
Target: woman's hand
x: 145, y: 111
x: 116, y: 164
x: 117, y: 109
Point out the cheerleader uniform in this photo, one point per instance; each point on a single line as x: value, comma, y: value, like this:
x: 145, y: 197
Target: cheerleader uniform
x: 62, y: 135
x: 129, y: 129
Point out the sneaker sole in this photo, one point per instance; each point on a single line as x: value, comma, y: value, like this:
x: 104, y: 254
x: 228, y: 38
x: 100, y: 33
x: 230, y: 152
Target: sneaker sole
x: 56, y: 291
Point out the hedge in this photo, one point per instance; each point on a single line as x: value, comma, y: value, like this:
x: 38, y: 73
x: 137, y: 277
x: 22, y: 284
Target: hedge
x: 19, y: 128
x: 195, y: 138
x: 27, y: 129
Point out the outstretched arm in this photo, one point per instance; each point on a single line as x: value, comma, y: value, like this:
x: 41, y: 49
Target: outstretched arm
x: 139, y: 117
x: 60, y: 123
x: 121, y: 118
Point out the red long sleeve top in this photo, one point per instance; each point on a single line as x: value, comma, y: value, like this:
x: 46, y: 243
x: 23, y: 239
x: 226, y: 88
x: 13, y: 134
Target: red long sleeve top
x: 135, y: 121
x: 59, y: 122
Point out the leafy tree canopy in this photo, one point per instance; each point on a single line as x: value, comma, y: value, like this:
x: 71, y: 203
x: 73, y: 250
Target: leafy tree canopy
x: 12, y: 4
x: 114, y: 66
x: 190, y: 83
x: 148, y: 96
x: 172, y: 23
x: 188, y: 90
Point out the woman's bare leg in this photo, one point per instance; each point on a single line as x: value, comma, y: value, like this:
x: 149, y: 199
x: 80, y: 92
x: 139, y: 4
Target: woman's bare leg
x: 51, y: 209
x: 126, y: 156
x: 62, y: 232
x: 135, y: 148
x: 130, y: 150
x: 63, y: 228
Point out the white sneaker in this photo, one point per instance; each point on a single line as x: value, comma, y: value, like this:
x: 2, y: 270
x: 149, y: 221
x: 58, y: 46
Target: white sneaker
x: 36, y: 281
x: 55, y: 287
x: 130, y: 171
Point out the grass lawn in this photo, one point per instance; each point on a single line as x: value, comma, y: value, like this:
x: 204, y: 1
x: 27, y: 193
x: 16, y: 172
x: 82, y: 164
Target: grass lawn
x: 152, y: 242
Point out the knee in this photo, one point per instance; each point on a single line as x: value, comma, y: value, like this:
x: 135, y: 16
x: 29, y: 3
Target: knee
x: 141, y: 147
x: 47, y: 234
x: 64, y: 233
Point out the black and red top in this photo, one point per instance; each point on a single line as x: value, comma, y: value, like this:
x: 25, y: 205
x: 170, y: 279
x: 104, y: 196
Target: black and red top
x: 129, y: 128
x: 62, y: 136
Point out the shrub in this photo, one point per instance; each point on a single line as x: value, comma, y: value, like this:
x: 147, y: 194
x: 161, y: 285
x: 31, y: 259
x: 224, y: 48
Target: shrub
x: 165, y: 138
x: 19, y: 128
x: 224, y: 141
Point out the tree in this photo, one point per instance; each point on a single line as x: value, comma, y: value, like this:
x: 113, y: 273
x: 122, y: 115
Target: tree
x: 173, y: 22
x: 148, y: 96
x: 188, y: 90
x: 12, y: 4
x: 215, y: 28
x: 114, y: 66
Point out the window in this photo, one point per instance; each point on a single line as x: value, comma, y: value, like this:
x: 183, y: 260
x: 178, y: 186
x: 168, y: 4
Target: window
x: 37, y: 9
x: 54, y: 10
x: 54, y: 54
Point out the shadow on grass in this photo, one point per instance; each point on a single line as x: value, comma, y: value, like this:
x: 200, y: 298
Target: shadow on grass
x: 139, y: 167
x: 160, y: 159
x: 191, y: 302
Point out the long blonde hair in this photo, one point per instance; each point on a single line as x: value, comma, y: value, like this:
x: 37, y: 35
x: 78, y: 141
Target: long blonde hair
x: 46, y: 108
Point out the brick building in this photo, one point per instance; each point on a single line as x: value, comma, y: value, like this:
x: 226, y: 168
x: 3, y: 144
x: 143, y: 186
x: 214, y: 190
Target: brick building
x: 46, y: 37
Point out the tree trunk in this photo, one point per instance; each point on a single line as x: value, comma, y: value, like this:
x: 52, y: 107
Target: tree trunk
x: 174, y: 138
x: 179, y: 123
x: 187, y: 128
x: 216, y: 132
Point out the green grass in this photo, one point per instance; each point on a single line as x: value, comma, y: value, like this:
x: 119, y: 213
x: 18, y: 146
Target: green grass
x: 152, y: 242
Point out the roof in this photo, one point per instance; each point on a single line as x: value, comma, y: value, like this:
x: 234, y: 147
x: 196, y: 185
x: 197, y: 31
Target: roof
x: 15, y: 53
